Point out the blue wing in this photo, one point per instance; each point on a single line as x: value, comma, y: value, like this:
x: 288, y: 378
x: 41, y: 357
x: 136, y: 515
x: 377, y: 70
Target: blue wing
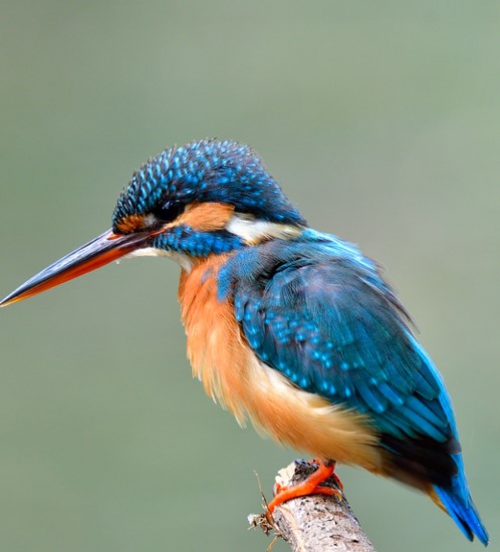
x: 319, y: 312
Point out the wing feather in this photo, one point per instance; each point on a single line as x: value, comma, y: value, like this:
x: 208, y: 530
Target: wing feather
x: 321, y: 314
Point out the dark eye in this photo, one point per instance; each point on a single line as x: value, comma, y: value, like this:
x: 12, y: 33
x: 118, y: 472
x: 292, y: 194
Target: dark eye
x: 169, y: 211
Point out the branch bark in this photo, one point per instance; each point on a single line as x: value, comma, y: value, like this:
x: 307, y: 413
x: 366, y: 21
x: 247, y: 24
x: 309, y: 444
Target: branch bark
x: 315, y: 523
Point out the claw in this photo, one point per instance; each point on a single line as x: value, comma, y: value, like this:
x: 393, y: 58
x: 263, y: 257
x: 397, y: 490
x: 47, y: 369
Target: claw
x: 312, y: 485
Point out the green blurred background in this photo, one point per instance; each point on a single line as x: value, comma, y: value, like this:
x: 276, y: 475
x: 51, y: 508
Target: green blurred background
x: 382, y: 122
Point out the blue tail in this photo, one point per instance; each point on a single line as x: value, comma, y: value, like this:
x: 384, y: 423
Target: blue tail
x: 454, y: 494
x: 458, y: 503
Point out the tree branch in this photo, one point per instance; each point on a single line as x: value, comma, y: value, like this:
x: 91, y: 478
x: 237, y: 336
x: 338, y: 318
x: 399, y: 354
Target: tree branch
x: 315, y: 523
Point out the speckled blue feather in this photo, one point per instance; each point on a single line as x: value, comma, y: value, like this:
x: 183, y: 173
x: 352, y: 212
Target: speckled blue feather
x: 318, y: 311
x: 207, y: 171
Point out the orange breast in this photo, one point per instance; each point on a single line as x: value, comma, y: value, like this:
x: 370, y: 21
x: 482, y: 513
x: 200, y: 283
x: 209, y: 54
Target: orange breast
x: 231, y: 373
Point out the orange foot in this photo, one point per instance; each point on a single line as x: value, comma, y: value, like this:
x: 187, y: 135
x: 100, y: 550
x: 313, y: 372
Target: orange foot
x: 310, y: 486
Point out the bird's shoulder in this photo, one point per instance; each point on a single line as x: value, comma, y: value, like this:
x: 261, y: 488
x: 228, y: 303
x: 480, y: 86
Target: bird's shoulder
x: 314, y: 261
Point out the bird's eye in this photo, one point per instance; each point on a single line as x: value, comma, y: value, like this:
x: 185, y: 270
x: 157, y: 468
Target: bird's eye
x: 168, y: 211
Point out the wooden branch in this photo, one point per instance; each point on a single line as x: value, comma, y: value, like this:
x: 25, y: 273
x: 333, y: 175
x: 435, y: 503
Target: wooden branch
x: 315, y: 523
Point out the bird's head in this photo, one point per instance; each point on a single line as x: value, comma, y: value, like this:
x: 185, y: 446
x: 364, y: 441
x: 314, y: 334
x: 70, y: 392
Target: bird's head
x: 207, y: 197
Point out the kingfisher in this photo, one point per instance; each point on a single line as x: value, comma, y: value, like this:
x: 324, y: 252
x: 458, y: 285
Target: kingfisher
x: 291, y: 328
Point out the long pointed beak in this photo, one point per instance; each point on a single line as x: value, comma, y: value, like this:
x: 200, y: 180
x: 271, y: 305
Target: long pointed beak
x: 100, y: 251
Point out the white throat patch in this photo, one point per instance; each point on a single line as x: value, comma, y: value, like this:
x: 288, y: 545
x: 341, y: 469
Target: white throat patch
x: 183, y: 260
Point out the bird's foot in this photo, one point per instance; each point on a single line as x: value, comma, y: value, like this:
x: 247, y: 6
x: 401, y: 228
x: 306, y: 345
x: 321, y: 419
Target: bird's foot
x: 312, y: 485
x: 333, y: 475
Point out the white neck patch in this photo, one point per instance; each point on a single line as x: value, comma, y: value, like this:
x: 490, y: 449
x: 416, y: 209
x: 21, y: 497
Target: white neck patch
x: 253, y: 230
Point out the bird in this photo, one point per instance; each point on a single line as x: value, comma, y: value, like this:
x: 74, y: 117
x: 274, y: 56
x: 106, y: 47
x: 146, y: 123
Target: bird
x: 289, y: 327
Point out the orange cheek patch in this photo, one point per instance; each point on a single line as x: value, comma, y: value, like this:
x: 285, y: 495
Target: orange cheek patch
x: 203, y: 217
x: 206, y: 217
x: 132, y: 223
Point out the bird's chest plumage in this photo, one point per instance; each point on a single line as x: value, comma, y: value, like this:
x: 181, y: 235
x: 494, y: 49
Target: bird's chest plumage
x: 217, y: 352
x: 232, y: 373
